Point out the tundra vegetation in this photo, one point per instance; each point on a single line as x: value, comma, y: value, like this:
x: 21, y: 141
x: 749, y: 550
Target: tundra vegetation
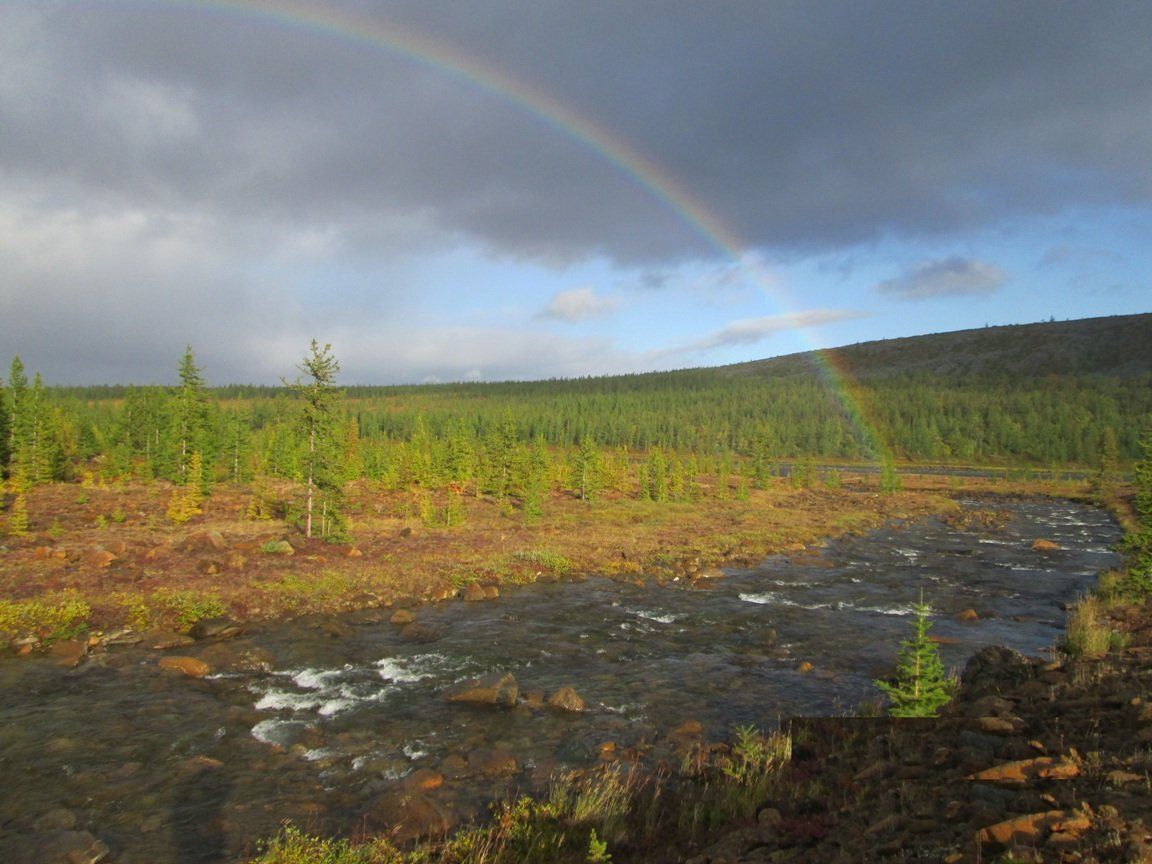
x: 321, y: 497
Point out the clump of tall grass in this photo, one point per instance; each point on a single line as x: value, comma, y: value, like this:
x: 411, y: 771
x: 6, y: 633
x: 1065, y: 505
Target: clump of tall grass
x: 730, y: 787
x: 1087, y: 633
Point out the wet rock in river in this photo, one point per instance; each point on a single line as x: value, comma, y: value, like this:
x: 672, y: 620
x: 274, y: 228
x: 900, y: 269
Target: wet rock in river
x: 189, y: 666
x: 162, y: 640
x: 59, y: 819
x: 407, y: 815
x: 424, y: 779
x: 566, y: 699
x: 234, y: 657
x: 473, y: 593
x: 55, y: 847
x: 215, y: 628
x: 492, y: 763
x: 421, y: 632
x: 402, y: 616
x: 494, y: 689
x: 68, y: 652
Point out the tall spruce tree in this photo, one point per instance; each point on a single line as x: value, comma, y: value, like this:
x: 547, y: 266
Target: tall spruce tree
x: 190, y: 418
x: 321, y: 428
x: 17, y: 395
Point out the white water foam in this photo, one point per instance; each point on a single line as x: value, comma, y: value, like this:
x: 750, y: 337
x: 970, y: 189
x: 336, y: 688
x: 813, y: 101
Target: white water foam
x: 666, y: 618
x: 275, y: 731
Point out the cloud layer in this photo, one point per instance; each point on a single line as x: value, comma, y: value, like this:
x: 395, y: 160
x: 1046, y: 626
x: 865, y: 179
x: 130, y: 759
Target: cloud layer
x: 951, y: 277
x: 235, y: 174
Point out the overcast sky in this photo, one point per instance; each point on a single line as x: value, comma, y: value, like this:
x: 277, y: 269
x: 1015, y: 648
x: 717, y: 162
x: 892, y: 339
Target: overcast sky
x: 530, y: 189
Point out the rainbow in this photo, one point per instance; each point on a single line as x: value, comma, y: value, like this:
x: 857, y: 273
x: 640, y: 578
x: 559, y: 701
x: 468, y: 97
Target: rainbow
x: 617, y: 152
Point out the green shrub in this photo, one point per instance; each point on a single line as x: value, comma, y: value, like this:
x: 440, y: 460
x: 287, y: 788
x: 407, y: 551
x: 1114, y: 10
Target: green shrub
x: 186, y: 607
x: 49, y: 618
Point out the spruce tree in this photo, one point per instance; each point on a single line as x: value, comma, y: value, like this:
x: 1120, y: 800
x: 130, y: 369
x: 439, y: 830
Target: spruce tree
x: 320, y: 427
x: 921, y: 687
x: 190, y: 416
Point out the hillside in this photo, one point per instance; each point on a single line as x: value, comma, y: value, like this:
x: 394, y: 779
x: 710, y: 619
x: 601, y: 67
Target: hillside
x: 1116, y: 347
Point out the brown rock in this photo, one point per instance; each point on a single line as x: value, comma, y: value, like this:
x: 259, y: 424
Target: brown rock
x: 1123, y: 778
x: 97, y: 558
x: 1023, y: 830
x: 162, y: 640
x: 998, y: 725
x: 215, y: 628
x: 424, y: 779
x: 566, y: 699
x: 68, y: 652
x: 203, y: 541
x: 421, y: 632
x: 492, y: 763
x: 407, y: 815
x: 402, y: 616
x: 190, y: 666
x: 55, y: 847
x: 1026, y: 770
x: 1045, y: 546
x: 493, y: 689
x: 876, y: 769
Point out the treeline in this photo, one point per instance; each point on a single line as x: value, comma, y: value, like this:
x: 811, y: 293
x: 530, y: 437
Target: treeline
x: 480, y: 435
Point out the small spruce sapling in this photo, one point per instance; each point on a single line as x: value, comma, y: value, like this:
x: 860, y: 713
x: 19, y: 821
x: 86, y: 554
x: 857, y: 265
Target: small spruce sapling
x: 921, y: 687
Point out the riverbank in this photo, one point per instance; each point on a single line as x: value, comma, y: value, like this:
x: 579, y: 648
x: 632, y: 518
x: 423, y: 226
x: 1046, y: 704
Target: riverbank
x: 100, y: 560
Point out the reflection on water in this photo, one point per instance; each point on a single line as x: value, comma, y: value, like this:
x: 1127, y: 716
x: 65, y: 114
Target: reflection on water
x: 169, y: 769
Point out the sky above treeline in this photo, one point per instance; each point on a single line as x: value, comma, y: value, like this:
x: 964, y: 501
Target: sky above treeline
x: 529, y: 189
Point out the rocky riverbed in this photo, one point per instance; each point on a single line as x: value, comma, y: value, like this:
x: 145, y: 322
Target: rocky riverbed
x: 190, y: 747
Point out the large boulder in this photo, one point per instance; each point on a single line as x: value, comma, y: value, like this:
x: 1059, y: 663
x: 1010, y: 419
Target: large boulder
x: 203, y: 541
x: 406, y: 815
x: 494, y: 689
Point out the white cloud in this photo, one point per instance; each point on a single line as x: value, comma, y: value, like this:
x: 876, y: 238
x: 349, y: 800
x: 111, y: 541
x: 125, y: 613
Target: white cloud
x: 579, y: 304
x: 751, y: 330
x: 949, y: 277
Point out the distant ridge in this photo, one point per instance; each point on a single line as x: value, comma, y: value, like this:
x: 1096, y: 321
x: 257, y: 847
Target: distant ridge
x: 1118, y: 346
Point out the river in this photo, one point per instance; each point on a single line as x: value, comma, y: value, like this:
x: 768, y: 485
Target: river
x: 312, y: 720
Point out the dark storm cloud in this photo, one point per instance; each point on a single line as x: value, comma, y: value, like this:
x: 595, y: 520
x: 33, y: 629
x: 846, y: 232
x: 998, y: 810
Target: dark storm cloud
x: 177, y: 168
x: 803, y: 124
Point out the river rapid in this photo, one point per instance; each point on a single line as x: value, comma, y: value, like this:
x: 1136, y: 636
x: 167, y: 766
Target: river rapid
x: 313, y: 720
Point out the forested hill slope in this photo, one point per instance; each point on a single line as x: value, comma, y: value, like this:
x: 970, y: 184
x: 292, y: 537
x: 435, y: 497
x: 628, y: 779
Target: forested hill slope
x: 1115, y: 347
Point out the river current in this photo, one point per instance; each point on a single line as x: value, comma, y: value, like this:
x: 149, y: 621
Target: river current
x: 329, y: 714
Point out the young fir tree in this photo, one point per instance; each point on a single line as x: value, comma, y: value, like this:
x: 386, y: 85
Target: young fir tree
x: 921, y: 687
x: 321, y: 428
